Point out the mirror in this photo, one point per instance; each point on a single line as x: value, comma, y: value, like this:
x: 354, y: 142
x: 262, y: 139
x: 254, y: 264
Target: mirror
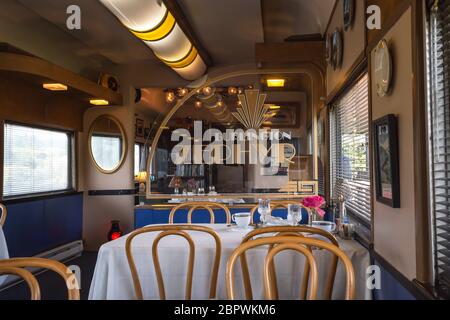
x: 107, y: 144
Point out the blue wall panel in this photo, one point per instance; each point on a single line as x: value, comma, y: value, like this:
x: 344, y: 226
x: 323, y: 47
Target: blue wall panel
x: 391, y: 288
x: 144, y: 217
x: 37, y: 226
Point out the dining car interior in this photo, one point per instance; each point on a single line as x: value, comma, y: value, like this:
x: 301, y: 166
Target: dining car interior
x: 198, y: 151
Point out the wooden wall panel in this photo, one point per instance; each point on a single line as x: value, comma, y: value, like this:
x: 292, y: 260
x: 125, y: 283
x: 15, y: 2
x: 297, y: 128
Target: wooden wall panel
x: 27, y: 103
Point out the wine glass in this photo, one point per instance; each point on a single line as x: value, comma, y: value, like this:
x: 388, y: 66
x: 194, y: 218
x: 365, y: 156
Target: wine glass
x: 264, y: 209
x: 294, y: 214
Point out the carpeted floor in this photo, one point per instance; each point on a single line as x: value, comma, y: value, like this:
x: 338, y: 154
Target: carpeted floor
x: 52, y: 285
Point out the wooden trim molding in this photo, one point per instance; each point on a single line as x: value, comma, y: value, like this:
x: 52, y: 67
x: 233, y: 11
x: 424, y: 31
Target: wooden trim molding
x: 422, y: 217
x: 415, y: 287
x: 400, y: 9
x: 353, y: 73
x: 48, y: 71
x: 310, y: 70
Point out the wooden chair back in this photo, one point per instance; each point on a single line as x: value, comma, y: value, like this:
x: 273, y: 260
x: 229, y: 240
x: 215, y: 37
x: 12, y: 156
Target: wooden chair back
x: 291, y: 231
x: 173, y: 230
x: 200, y: 205
x: 280, y: 204
x: 3, y: 214
x: 16, y: 267
x: 283, y: 243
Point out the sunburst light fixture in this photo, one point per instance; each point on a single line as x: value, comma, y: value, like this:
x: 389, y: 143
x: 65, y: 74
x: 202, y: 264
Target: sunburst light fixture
x: 154, y: 24
x: 252, y: 111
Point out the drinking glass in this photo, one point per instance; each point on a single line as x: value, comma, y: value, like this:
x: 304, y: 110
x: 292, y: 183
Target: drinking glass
x: 264, y: 209
x: 294, y: 214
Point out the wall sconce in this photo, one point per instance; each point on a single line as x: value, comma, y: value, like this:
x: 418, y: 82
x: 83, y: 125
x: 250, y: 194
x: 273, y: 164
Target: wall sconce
x: 154, y: 24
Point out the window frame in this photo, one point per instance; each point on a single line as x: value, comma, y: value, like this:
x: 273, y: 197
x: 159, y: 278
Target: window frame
x: 71, y: 167
x: 440, y: 287
x: 363, y: 228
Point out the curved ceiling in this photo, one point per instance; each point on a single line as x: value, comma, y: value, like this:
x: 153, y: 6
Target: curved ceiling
x: 228, y: 29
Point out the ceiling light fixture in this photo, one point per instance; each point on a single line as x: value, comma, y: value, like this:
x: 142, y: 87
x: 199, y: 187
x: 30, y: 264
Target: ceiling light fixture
x: 198, y: 104
x: 182, y: 92
x: 154, y: 24
x: 99, y: 102
x: 55, y: 86
x: 274, y: 107
x: 275, y: 83
x: 170, y: 96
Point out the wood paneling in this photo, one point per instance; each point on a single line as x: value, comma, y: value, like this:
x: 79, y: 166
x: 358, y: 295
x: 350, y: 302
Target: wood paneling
x: 391, y: 11
x: 26, y: 103
x: 277, y: 54
x: 48, y: 71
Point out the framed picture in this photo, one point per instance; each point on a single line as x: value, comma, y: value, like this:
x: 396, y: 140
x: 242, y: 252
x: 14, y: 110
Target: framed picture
x: 387, y: 178
x: 139, y: 128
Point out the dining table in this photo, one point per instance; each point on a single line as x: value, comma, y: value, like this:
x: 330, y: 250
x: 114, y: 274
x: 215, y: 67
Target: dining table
x: 3, y: 251
x: 112, y: 276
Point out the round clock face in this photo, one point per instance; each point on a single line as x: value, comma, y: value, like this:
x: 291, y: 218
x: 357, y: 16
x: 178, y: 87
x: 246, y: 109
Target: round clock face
x: 383, y: 68
x: 349, y: 13
x: 337, y: 51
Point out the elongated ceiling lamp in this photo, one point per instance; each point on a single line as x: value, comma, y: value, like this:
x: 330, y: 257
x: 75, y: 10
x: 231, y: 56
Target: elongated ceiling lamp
x: 154, y: 24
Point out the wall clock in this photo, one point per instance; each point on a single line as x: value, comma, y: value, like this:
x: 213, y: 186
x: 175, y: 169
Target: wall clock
x: 349, y: 13
x: 383, y: 68
x: 337, y: 49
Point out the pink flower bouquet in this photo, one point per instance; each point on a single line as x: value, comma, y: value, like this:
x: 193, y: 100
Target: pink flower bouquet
x: 315, y: 203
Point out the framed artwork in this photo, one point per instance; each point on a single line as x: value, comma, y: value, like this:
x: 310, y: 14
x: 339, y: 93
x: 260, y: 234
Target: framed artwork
x: 139, y: 128
x: 387, y: 178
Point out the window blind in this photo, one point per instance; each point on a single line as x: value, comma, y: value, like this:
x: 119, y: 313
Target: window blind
x: 439, y: 132
x: 349, y: 149
x: 35, y: 161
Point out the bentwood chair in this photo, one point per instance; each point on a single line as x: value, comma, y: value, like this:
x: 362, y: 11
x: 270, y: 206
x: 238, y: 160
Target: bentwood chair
x: 16, y: 267
x: 173, y: 230
x: 290, y: 231
x: 3, y: 214
x: 200, y: 205
x: 280, y: 204
x: 300, y: 244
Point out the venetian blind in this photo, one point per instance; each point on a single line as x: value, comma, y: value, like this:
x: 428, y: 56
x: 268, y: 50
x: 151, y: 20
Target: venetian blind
x: 439, y: 120
x: 35, y: 161
x: 349, y: 149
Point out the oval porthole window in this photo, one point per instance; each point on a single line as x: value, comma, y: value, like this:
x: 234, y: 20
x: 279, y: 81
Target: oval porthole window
x: 107, y: 144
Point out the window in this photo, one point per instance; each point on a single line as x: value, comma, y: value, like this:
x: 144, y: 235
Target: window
x: 349, y: 150
x: 36, y: 161
x: 439, y: 133
x: 137, y: 158
x: 107, y: 151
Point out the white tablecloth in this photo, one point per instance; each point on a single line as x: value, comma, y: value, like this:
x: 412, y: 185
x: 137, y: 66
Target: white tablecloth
x: 3, y: 251
x: 112, y: 277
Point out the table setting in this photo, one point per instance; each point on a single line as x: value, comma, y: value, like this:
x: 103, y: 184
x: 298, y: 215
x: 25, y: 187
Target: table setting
x: 112, y: 277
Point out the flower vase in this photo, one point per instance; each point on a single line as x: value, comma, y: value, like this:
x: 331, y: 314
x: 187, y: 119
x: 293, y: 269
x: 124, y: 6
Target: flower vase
x: 314, y: 217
